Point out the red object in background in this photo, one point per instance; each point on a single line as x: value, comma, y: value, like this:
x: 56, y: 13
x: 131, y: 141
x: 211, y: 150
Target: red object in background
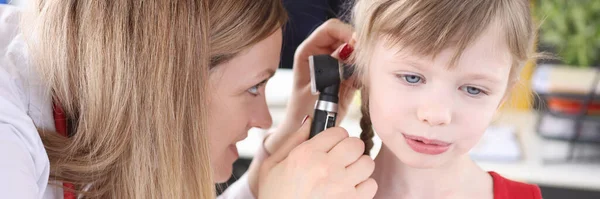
x: 60, y: 121
x: 572, y: 106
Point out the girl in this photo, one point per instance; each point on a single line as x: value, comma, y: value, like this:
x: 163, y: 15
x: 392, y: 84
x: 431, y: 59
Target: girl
x: 434, y: 73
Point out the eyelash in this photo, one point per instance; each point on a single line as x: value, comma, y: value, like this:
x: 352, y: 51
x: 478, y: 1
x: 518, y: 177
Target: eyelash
x: 481, y: 91
x: 404, y: 77
x: 257, y: 88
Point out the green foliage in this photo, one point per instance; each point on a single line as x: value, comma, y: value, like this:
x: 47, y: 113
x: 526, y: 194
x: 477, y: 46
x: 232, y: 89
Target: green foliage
x: 573, y: 28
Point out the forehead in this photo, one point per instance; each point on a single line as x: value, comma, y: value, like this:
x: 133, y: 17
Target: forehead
x: 259, y: 57
x: 489, y: 48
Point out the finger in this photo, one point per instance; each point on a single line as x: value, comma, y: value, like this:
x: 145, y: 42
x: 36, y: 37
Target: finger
x: 352, y: 41
x: 360, y: 170
x: 336, y: 48
x: 296, y: 139
x: 347, y: 151
x: 326, y: 140
x: 367, y: 189
x: 331, y: 32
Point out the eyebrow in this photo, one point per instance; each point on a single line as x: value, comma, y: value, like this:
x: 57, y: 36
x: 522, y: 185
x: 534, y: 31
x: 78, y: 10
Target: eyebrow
x: 266, y: 74
x: 415, y: 64
x: 477, y: 76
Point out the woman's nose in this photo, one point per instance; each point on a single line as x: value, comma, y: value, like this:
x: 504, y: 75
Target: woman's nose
x: 261, y: 117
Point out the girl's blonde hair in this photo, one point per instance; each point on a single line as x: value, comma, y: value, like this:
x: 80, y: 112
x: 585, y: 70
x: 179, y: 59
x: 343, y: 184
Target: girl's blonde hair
x: 132, y: 75
x: 429, y: 26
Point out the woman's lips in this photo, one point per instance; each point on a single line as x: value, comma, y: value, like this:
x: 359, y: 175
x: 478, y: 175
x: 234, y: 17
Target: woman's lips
x: 233, y: 147
x: 426, y: 146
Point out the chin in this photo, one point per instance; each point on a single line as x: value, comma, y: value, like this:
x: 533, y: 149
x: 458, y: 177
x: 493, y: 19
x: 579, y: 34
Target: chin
x: 222, y: 173
x: 422, y: 162
x: 417, y: 160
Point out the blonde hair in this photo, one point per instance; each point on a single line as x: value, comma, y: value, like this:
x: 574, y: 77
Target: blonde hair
x: 429, y: 26
x: 236, y: 25
x: 132, y: 75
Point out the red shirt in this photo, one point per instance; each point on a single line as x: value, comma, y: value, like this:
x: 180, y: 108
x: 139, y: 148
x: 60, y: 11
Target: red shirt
x: 508, y: 189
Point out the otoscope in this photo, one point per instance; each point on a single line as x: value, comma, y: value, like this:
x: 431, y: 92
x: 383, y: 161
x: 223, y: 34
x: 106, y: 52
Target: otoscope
x: 326, y: 74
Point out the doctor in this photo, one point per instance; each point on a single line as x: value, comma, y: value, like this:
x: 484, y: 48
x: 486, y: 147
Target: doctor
x: 151, y: 97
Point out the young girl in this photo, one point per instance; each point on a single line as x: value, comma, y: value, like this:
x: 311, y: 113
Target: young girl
x: 434, y: 73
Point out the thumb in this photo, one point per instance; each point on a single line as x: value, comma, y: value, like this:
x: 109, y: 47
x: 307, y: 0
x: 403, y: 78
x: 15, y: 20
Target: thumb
x: 296, y: 139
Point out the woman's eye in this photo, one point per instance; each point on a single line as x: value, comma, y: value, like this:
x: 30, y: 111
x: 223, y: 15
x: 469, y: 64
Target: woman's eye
x: 472, y: 90
x: 254, y: 90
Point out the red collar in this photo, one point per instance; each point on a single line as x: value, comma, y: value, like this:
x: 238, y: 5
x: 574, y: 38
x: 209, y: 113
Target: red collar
x: 508, y: 189
x: 60, y: 121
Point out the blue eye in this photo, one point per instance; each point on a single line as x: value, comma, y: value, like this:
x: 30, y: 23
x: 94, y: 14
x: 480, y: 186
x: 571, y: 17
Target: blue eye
x: 472, y: 90
x: 254, y: 90
x: 412, y: 79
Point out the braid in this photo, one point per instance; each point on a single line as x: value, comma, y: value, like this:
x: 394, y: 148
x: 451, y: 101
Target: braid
x: 365, y: 123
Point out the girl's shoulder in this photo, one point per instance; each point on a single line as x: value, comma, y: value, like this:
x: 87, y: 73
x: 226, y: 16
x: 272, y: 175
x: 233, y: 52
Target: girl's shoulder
x: 508, y: 189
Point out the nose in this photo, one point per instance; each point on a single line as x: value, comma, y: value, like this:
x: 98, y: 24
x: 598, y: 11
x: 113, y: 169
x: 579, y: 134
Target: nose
x: 261, y: 117
x: 435, y: 114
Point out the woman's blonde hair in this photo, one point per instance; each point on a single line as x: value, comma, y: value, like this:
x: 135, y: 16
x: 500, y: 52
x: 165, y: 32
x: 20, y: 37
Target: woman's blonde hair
x: 132, y: 75
x: 236, y: 25
x: 429, y: 26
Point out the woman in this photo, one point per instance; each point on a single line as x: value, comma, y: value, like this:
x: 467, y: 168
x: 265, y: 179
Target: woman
x: 136, y: 84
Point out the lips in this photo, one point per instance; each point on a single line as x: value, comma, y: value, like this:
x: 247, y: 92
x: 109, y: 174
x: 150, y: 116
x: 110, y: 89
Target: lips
x: 426, y: 141
x: 233, y: 146
x: 426, y: 146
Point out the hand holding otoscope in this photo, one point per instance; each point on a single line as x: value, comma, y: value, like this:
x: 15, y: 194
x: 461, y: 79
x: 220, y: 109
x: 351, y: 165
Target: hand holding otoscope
x: 292, y: 156
x: 326, y: 75
x: 332, y: 145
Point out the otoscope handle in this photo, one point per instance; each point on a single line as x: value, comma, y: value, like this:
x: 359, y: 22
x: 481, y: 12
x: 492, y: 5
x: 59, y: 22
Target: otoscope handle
x: 322, y: 120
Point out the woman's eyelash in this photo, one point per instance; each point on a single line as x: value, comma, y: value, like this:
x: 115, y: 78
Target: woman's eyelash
x: 254, y: 90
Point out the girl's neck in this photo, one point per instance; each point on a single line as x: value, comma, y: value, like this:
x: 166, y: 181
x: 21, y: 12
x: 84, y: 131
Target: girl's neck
x: 460, y: 178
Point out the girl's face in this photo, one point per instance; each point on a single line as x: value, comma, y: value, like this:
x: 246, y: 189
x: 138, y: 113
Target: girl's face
x: 427, y: 112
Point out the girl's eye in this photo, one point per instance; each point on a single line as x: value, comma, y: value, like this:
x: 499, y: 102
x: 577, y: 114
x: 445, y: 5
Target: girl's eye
x: 411, y: 79
x: 472, y: 90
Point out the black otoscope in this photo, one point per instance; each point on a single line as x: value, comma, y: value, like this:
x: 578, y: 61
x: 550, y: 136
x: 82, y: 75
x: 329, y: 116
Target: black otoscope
x: 326, y: 74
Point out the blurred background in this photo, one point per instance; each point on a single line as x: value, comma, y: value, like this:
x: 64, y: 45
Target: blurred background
x: 547, y: 134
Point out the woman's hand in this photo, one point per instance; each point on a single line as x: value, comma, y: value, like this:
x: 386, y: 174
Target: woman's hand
x: 333, y: 37
x: 330, y: 165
